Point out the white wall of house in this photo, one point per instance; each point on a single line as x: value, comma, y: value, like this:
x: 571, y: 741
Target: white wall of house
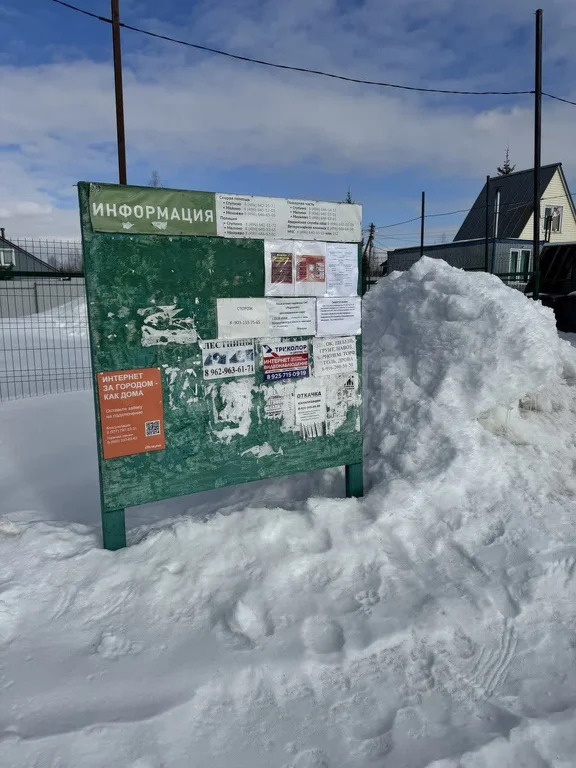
x: 554, y: 195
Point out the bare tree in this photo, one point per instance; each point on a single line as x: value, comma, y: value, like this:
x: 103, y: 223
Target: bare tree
x: 155, y: 180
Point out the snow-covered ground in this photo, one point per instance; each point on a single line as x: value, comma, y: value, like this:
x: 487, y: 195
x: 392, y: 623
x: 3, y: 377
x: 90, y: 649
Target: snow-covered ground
x: 432, y: 623
x: 45, y: 352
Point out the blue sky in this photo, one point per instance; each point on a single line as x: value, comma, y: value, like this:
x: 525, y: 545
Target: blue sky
x: 205, y: 122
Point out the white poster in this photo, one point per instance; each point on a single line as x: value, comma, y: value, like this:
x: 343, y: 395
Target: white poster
x: 276, y: 218
x: 292, y: 317
x: 309, y: 268
x: 341, y: 395
x: 239, y: 318
x: 223, y: 358
x: 310, y: 404
x: 278, y: 268
x: 341, y: 269
x: 334, y: 355
x: 339, y: 317
x: 279, y: 402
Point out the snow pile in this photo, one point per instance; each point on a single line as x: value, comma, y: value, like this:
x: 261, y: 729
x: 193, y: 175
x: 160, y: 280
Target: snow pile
x: 431, y: 624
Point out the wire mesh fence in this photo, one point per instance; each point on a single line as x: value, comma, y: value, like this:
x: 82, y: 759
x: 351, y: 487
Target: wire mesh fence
x: 41, y: 255
x: 44, y: 347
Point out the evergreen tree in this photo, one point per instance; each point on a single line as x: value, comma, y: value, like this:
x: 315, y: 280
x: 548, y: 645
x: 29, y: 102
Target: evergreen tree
x: 506, y: 167
x: 348, y: 197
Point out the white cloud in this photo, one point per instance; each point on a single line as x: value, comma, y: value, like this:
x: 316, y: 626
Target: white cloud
x: 184, y: 110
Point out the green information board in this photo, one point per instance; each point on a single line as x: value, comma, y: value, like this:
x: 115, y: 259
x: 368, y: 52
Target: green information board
x: 219, y: 359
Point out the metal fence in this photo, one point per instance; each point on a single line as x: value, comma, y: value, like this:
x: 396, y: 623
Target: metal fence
x: 60, y: 255
x: 44, y: 347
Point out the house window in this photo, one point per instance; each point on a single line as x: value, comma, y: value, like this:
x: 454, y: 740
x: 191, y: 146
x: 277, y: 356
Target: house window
x: 520, y: 260
x: 7, y: 257
x: 553, y: 218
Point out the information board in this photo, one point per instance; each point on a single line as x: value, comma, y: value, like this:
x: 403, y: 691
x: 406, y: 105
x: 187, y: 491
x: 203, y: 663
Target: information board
x: 210, y: 368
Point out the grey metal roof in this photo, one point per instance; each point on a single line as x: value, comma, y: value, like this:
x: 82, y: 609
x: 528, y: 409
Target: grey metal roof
x: 516, y: 204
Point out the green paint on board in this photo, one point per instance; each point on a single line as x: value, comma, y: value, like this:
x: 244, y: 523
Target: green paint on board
x: 151, y: 211
x: 151, y: 299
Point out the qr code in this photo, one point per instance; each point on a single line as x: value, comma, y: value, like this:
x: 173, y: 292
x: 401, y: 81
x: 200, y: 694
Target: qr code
x: 152, y: 428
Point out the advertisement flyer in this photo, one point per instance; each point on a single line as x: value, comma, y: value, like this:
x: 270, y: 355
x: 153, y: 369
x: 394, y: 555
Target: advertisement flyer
x: 131, y: 412
x: 310, y: 268
x: 241, y: 318
x: 341, y: 269
x: 278, y: 268
x: 341, y: 394
x: 288, y: 360
x: 339, y: 317
x: 334, y: 355
x: 279, y: 402
x: 292, y: 317
x: 310, y: 407
x: 223, y: 358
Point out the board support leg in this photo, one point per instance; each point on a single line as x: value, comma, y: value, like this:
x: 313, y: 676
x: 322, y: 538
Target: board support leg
x: 354, y: 479
x: 113, y: 529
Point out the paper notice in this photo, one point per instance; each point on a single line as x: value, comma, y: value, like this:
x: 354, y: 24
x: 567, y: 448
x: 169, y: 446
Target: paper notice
x: 341, y: 269
x: 131, y: 412
x: 223, y: 358
x: 341, y: 395
x: 278, y: 268
x: 310, y: 403
x: 287, y: 360
x: 309, y: 268
x: 239, y: 318
x: 279, y: 403
x: 292, y: 317
x: 334, y: 355
x: 339, y: 317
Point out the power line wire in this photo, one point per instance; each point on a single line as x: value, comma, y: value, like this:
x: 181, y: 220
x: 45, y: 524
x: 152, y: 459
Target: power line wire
x: 291, y: 68
x: 510, y: 206
x: 558, y: 98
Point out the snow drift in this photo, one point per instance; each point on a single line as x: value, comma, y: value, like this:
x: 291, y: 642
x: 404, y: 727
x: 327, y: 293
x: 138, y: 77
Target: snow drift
x: 430, y: 624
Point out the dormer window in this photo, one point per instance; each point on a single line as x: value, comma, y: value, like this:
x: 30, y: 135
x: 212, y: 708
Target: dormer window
x: 553, y: 218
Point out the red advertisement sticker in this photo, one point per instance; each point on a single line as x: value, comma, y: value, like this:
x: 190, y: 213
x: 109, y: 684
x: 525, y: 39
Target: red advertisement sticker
x: 285, y: 361
x: 131, y: 412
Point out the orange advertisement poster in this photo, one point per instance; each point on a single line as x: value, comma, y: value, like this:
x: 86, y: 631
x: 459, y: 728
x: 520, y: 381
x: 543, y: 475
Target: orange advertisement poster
x: 131, y: 412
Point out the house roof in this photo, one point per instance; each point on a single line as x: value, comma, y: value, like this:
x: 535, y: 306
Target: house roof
x: 4, y: 242
x: 516, y: 203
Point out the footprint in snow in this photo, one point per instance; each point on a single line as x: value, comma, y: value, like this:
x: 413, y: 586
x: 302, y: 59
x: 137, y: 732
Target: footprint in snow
x: 322, y: 635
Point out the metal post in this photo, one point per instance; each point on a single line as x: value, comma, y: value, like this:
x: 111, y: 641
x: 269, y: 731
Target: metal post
x: 537, y: 152
x: 422, y: 224
x: 354, y: 480
x: 487, y: 231
x: 119, y: 93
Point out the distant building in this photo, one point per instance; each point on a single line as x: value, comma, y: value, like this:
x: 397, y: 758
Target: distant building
x: 510, y: 225
x: 14, y: 258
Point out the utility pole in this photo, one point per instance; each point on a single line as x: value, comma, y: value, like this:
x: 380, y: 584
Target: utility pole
x: 121, y: 137
x: 422, y: 216
x: 537, y: 153
x: 367, y: 258
x: 487, y: 225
